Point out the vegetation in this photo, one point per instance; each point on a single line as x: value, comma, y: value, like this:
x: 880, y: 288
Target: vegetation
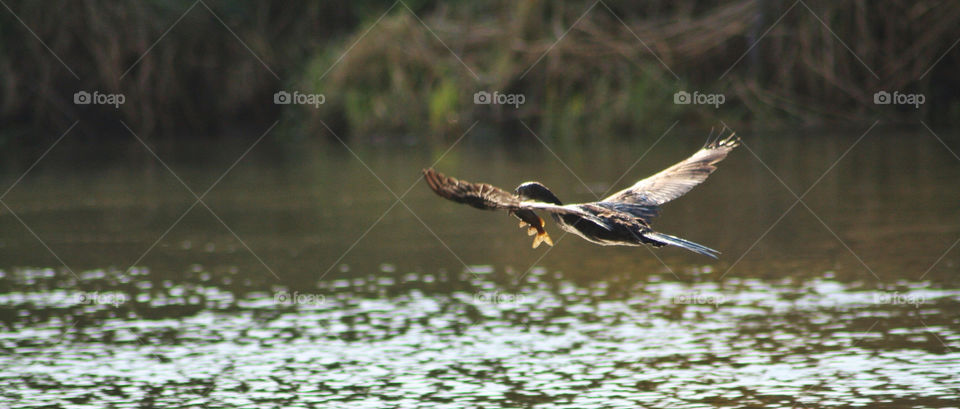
x: 584, y: 68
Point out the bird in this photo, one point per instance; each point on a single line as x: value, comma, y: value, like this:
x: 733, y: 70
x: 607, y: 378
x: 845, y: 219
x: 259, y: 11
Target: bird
x: 623, y: 218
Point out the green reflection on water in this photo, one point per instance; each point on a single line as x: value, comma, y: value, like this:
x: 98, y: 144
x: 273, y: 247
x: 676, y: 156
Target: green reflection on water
x: 890, y: 206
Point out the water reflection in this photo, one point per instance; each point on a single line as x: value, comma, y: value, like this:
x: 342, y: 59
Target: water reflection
x: 260, y: 303
x: 404, y: 340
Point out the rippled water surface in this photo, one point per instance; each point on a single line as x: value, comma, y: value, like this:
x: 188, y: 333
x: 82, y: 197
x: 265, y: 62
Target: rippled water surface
x: 299, y: 279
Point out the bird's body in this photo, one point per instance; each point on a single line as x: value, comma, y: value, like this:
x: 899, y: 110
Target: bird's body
x: 625, y: 229
x: 621, y: 219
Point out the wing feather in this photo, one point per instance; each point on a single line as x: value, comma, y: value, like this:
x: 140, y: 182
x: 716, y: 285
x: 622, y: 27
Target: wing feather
x: 678, y: 179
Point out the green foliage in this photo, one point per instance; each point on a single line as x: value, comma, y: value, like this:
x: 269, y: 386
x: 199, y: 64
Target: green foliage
x: 414, y: 70
x: 444, y: 104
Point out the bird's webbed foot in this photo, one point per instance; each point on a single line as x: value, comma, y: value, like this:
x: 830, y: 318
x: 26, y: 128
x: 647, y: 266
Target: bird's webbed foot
x: 534, y: 225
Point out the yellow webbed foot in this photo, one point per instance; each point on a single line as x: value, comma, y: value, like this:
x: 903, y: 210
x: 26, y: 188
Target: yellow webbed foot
x: 542, y: 238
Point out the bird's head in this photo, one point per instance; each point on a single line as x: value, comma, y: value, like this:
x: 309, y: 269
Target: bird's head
x: 537, y: 191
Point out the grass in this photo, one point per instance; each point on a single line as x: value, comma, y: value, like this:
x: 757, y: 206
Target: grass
x: 584, y: 75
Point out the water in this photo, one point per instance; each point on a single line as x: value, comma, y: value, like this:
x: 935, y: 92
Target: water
x: 300, y: 281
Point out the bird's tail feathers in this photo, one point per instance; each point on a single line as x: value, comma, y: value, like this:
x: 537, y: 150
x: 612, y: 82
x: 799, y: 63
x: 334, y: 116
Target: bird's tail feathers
x: 676, y: 241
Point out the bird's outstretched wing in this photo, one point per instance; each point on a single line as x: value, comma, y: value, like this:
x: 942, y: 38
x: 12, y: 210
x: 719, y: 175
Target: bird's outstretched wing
x: 480, y: 195
x: 489, y: 197
x: 678, y: 179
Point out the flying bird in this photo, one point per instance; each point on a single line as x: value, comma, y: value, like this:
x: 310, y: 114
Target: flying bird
x: 621, y: 219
